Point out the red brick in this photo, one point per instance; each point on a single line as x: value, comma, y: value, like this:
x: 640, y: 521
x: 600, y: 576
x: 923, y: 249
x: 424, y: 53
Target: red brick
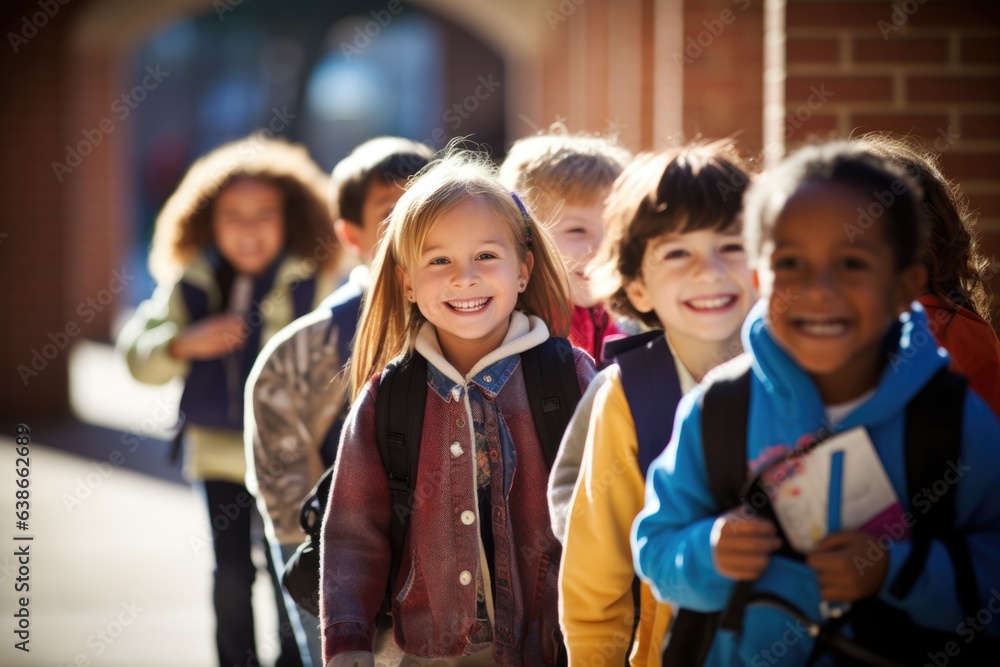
x: 823, y: 126
x: 954, y: 14
x: 898, y: 49
x: 971, y: 166
x: 953, y: 89
x: 835, y: 14
x: 839, y: 88
x: 981, y: 50
x: 981, y: 126
x: 987, y: 204
x: 924, y: 125
x: 804, y: 50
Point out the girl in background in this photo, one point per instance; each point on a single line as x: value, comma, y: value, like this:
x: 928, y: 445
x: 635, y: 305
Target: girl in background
x: 242, y: 247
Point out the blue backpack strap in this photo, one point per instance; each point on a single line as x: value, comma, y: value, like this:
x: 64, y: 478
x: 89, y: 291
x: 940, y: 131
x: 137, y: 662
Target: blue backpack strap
x: 303, y: 295
x: 652, y: 389
x: 344, y: 319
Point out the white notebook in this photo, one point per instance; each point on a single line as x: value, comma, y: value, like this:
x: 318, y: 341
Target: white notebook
x: 839, y: 484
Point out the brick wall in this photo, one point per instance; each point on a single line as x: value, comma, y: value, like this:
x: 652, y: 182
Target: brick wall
x: 34, y: 265
x: 929, y: 69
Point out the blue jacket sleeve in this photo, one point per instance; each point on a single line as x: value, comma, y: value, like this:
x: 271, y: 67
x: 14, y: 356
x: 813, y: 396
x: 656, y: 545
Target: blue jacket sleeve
x: 933, y: 600
x: 671, y: 537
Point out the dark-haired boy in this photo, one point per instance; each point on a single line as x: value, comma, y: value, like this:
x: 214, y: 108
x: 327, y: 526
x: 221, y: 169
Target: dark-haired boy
x: 297, y: 388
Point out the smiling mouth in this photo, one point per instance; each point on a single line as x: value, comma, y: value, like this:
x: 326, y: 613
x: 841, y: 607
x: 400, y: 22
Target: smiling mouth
x: 469, y: 305
x: 711, y: 303
x: 825, y: 328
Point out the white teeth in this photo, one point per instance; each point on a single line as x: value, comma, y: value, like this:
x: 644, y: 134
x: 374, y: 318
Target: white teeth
x: 470, y: 305
x: 823, y: 328
x: 715, y: 302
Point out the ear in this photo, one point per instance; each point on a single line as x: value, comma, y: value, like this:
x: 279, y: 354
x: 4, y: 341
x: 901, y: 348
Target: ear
x: 347, y: 234
x: 527, y: 266
x: 912, y: 283
x: 404, y: 282
x: 636, y: 293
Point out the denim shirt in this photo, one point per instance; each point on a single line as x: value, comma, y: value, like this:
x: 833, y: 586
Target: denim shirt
x: 435, y: 608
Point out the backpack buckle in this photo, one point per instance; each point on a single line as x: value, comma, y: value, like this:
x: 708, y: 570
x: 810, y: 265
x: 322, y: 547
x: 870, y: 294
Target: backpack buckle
x: 550, y: 404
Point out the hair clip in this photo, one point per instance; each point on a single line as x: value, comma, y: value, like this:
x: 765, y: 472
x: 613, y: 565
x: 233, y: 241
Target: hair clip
x: 525, y: 217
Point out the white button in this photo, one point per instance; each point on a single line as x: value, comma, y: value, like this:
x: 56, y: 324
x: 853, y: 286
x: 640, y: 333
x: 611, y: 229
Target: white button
x: 468, y: 517
x: 488, y: 378
x: 456, y: 449
x: 465, y: 578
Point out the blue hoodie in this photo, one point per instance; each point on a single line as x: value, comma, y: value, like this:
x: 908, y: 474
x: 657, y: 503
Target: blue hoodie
x: 671, y: 537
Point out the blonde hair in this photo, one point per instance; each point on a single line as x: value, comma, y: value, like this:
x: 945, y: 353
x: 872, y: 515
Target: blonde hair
x: 389, y: 323
x: 184, y: 225
x: 557, y: 167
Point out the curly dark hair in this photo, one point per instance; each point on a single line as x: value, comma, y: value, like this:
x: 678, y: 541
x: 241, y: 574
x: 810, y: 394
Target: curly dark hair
x: 954, y: 264
x: 184, y: 225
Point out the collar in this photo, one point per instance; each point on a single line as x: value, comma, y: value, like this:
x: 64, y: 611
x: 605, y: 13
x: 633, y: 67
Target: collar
x: 492, y: 371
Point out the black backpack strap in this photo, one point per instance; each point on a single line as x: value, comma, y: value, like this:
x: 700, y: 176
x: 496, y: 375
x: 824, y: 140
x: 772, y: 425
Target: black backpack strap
x: 724, y: 412
x: 399, y: 420
x: 553, y: 391
x: 651, y: 385
x: 933, y: 444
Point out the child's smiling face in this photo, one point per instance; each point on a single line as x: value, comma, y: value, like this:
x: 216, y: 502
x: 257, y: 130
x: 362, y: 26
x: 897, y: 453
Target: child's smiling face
x: 698, y: 284
x: 248, y: 224
x: 831, y: 295
x: 577, y: 234
x: 466, y: 279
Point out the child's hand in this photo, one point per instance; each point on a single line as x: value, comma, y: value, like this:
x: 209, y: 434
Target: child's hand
x: 209, y: 338
x: 742, y: 545
x: 840, y: 580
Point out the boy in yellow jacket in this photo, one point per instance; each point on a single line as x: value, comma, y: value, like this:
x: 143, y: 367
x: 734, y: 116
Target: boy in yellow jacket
x: 674, y: 258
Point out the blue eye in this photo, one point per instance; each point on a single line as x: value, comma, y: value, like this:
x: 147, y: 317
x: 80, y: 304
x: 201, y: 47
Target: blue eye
x: 732, y: 247
x: 486, y: 255
x: 438, y: 261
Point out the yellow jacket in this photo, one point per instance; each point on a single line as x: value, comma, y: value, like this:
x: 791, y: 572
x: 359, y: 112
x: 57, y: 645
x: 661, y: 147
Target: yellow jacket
x: 595, y: 580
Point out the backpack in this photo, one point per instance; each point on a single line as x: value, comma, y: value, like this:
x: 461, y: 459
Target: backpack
x: 650, y: 382
x: 553, y: 392
x: 883, y: 635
